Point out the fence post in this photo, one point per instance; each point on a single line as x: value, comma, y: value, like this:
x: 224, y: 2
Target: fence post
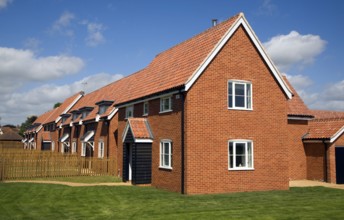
x: 0, y: 169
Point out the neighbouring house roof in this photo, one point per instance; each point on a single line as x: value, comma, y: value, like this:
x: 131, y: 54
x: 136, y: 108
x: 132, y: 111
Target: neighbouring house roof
x: 8, y: 134
x: 296, y: 106
x: 176, y: 68
x: 46, y: 137
x: 321, y: 114
x: 325, y: 129
x: 140, y: 130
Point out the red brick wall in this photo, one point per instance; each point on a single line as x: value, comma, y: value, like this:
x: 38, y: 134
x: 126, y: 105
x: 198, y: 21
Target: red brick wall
x: 315, y: 161
x: 297, y: 155
x: 164, y: 126
x: 210, y: 124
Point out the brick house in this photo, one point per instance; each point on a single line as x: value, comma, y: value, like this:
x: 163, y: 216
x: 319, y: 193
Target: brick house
x: 214, y: 110
x: 42, y: 134
x: 209, y: 115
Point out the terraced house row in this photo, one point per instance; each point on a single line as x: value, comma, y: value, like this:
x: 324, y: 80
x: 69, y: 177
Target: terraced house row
x: 209, y: 115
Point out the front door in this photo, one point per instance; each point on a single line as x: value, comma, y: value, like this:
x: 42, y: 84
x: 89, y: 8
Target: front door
x: 340, y: 165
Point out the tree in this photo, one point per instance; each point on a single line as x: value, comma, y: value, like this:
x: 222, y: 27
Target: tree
x: 57, y: 104
x: 26, y: 124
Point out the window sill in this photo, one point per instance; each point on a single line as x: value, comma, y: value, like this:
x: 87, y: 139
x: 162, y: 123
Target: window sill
x: 145, y: 115
x: 166, y: 111
x: 238, y: 169
x: 165, y: 168
x: 244, y: 109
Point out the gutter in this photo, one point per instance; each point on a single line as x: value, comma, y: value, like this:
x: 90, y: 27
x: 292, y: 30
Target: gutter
x: 325, y: 161
x: 182, y: 144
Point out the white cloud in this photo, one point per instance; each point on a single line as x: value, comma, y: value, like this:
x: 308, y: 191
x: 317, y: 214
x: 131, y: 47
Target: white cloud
x: 267, y: 8
x: 95, y: 33
x: 294, y: 49
x: 62, y: 24
x: 329, y: 98
x: 18, y: 65
x: 299, y: 82
x: 17, y: 106
x: 4, y: 3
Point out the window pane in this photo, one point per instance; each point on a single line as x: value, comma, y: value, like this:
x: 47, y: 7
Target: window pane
x: 166, y: 160
x: 240, y: 89
x: 230, y: 88
x: 239, y: 101
x: 248, y: 94
x: 231, y: 155
x: 230, y: 101
x: 240, y: 161
x: 166, y: 104
x: 249, y: 155
x: 166, y: 148
x: 240, y: 155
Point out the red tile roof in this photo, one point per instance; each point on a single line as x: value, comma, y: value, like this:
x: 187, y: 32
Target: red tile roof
x: 321, y: 114
x: 296, y: 106
x: 63, y: 108
x: 324, y: 128
x: 170, y: 69
x: 140, y: 128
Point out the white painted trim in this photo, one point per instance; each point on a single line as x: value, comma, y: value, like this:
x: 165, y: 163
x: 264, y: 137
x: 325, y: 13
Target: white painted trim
x: 97, y: 118
x: 162, y: 142
x: 113, y: 113
x: 126, y: 129
x: 88, y: 137
x: 39, y: 128
x: 169, y: 97
x: 337, y: 134
x: 64, y: 137
x: 245, y: 141
x: 240, y: 21
x: 141, y: 140
x: 70, y: 106
x: 148, y: 99
x: 299, y: 118
x: 31, y: 140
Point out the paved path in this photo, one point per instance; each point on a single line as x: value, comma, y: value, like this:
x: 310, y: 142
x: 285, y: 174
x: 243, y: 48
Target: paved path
x: 308, y: 183
x: 69, y: 183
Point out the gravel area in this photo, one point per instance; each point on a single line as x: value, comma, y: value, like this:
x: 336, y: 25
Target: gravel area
x: 308, y: 183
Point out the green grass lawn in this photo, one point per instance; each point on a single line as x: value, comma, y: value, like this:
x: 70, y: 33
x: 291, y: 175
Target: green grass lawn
x: 44, y: 201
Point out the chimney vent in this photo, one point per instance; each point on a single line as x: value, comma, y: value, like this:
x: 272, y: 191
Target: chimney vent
x: 214, y: 22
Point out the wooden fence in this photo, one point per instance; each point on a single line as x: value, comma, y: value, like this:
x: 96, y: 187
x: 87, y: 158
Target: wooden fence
x: 27, y: 164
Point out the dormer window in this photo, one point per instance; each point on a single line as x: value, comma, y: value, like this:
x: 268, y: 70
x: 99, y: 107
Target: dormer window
x: 85, y: 111
x: 65, y: 117
x: 75, y: 114
x: 103, y: 106
x: 102, y: 109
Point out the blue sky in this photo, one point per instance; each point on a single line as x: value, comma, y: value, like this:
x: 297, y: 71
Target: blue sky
x: 51, y: 49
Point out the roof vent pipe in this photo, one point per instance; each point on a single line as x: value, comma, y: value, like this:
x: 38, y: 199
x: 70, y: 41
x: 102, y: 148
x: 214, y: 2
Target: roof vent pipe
x: 214, y: 22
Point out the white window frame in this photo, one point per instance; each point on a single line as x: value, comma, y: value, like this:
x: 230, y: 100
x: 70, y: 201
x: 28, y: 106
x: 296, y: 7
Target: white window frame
x: 248, y: 99
x: 162, y: 106
x: 83, y: 149
x: 129, y: 109
x: 247, y: 143
x: 163, y: 153
x: 145, y: 108
x: 73, y: 147
x: 101, y: 149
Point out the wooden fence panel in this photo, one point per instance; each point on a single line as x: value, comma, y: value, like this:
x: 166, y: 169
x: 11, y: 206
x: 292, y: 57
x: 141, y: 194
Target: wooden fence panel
x: 26, y: 164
